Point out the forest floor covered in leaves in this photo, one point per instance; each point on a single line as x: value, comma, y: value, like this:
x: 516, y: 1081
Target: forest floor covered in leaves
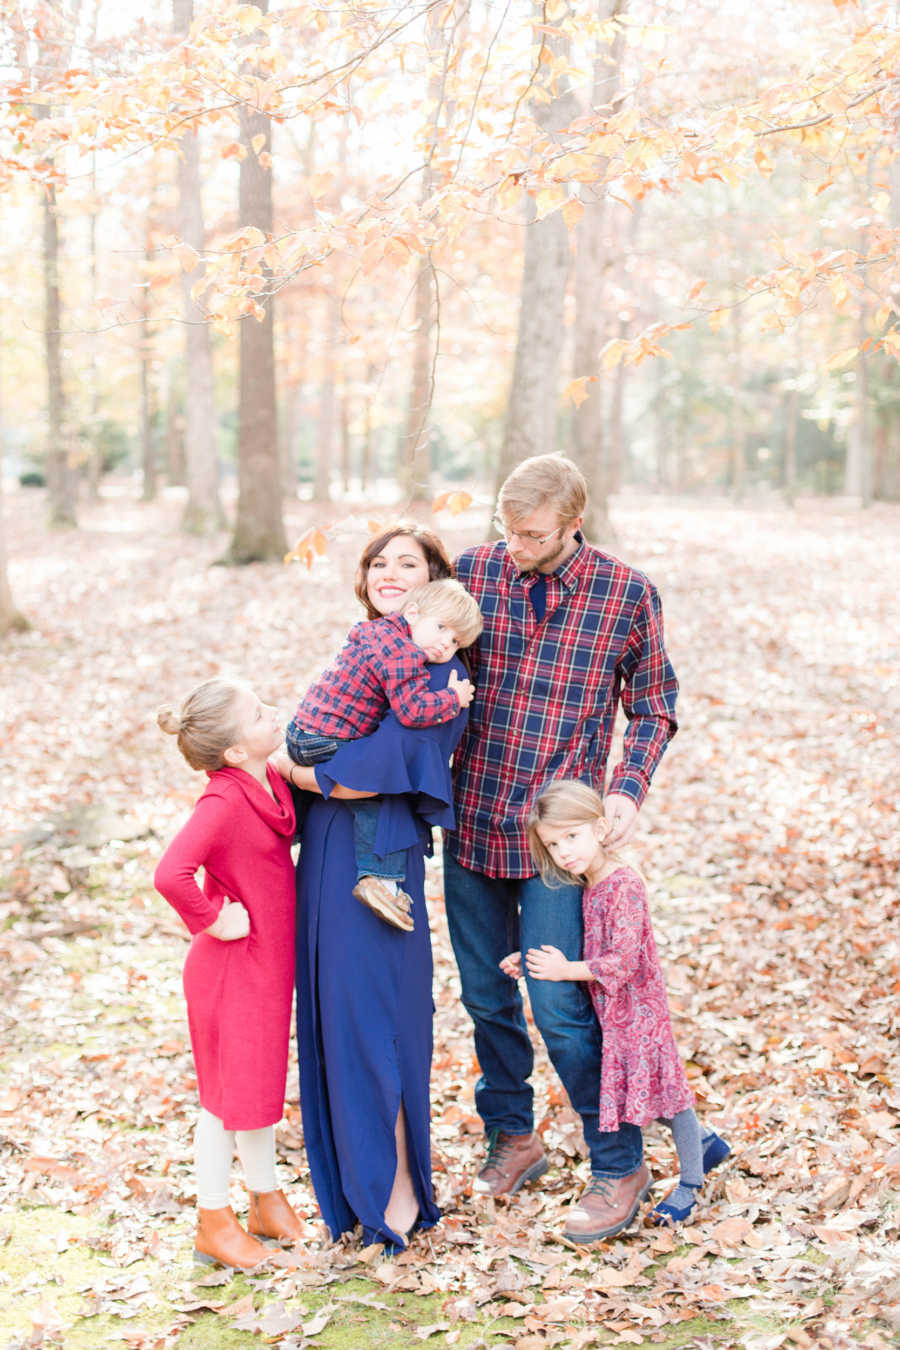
x: 770, y: 842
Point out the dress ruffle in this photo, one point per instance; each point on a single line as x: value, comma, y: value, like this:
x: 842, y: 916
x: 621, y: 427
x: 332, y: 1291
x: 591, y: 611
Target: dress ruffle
x: 640, y: 1093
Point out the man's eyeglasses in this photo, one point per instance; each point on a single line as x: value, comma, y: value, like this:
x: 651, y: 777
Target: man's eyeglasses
x: 526, y: 536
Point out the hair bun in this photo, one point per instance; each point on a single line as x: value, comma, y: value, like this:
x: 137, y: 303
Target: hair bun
x: 168, y: 720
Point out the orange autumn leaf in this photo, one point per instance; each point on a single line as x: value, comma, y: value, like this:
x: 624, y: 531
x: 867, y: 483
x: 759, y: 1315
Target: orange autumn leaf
x: 577, y: 390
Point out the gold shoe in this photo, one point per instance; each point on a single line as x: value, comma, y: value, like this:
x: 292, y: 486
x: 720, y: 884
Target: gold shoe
x: 393, y: 908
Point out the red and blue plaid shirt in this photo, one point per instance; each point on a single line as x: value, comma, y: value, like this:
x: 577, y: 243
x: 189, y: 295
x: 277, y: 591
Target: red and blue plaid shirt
x: 547, y: 694
x: 379, y: 665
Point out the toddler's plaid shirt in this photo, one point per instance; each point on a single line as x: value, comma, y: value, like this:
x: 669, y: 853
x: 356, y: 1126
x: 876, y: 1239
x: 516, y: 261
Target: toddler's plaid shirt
x: 378, y: 665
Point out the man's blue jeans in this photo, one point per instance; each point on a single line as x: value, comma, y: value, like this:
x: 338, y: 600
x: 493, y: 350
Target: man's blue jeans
x: 488, y: 918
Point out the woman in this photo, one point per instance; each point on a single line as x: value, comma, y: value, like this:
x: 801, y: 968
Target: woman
x: 364, y: 1007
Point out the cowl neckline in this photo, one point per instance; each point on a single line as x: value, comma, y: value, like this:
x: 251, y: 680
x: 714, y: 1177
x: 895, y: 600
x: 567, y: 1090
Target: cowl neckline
x: 277, y: 811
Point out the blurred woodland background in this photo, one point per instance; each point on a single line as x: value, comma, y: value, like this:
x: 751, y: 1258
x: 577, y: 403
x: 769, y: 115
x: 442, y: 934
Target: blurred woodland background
x: 272, y: 271
x: 363, y: 249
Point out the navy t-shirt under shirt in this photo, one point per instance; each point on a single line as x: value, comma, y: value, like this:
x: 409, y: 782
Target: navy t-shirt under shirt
x: 538, y: 597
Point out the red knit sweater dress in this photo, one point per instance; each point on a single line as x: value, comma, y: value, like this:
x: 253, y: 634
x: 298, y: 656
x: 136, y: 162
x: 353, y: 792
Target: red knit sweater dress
x: 238, y: 993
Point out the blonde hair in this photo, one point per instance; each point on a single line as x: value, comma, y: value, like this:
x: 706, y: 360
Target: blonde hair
x: 565, y: 802
x: 205, y: 727
x: 448, y: 600
x: 542, y: 480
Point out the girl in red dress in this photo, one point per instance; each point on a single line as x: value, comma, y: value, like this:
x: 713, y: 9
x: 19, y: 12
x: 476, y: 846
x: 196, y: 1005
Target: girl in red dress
x: 239, y: 972
x: 642, y: 1077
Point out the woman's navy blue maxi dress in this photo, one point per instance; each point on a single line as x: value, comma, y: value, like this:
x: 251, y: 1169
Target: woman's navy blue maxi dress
x: 364, y: 1004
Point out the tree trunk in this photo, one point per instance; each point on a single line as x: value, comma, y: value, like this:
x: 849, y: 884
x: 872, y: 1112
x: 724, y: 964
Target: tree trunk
x: 414, y: 450
x: 592, y: 262
x: 203, y: 512
x: 325, y: 450
x: 615, y: 457
x: 858, y: 467
x: 414, y: 468
x: 10, y: 617
x: 344, y: 419
x: 661, y: 428
x: 289, y: 458
x: 858, y: 464
x: 366, y: 450
x: 324, y: 456
x: 882, y: 486
x: 94, y: 453
x: 589, y: 446
x: 259, y: 526
x: 736, y: 408
x: 176, y: 470
x: 791, y: 419
x: 532, y: 409
x: 61, y: 480
x: 148, y: 449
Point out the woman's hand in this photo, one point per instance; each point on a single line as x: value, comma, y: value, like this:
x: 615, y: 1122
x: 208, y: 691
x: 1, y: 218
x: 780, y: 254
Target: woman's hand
x: 512, y: 965
x: 282, y: 761
x: 304, y: 776
x: 548, y: 963
x: 233, y: 922
x: 300, y: 775
x: 463, y: 689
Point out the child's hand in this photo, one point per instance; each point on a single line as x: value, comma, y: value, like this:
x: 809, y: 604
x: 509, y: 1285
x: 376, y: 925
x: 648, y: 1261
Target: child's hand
x: 512, y: 965
x: 232, y: 923
x: 463, y: 689
x: 548, y: 963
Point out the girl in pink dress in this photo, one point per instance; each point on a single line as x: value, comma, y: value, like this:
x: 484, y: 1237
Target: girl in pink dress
x: 642, y: 1077
x: 239, y: 971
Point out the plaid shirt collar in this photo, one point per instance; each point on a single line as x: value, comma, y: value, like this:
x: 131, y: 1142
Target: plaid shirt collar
x: 569, y: 573
x: 396, y: 620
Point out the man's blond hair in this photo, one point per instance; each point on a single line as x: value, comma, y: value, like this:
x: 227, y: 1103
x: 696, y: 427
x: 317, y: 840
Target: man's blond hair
x: 540, y: 481
x: 449, y: 601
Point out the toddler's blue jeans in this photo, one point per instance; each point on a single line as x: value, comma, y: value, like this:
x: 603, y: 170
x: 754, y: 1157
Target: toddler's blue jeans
x: 308, y: 748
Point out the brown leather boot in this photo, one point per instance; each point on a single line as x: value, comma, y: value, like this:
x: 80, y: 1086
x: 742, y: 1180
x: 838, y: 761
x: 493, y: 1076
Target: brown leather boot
x: 221, y: 1238
x: 607, y: 1205
x: 271, y: 1216
x: 512, y: 1160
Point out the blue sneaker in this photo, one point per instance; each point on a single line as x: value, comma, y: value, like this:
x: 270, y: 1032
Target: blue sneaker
x: 715, y: 1150
x: 668, y: 1212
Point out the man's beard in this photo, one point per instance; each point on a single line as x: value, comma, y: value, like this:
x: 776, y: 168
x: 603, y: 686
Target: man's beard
x: 532, y: 564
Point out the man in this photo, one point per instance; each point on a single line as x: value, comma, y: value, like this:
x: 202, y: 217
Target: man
x: 569, y: 632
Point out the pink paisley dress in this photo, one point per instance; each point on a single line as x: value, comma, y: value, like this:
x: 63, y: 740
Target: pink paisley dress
x: 642, y: 1076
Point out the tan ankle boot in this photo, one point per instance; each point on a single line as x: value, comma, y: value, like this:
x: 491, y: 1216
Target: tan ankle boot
x: 271, y: 1216
x: 221, y: 1238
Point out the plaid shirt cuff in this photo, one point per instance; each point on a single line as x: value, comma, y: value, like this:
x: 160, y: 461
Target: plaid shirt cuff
x: 630, y: 783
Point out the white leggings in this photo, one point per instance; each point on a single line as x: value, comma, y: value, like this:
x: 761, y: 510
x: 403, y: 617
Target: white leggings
x: 213, y: 1153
